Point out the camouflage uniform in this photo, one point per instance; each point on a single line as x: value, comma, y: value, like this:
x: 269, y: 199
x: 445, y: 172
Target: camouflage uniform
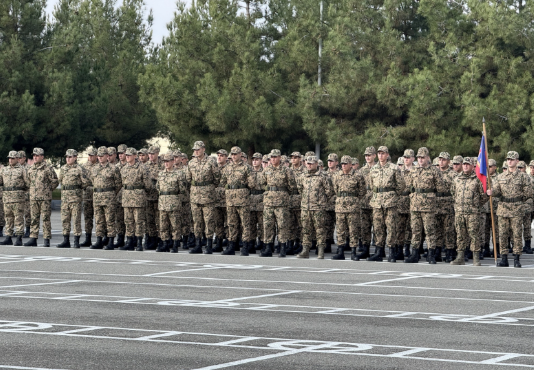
x: 487, y: 224
x: 219, y: 212
x: 185, y: 209
x: 88, y: 207
x: 119, y: 214
x: 366, y: 210
x: 295, y: 225
x: 152, y: 216
x: 330, y: 221
x: 27, y: 209
x: 404, y: 229
x: 2, y: 217
x: 445, y: 232
x: 256, y: 204
x: 527, y: 218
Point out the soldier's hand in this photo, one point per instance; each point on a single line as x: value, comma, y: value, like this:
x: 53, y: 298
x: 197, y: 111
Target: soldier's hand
x: 488, y: 192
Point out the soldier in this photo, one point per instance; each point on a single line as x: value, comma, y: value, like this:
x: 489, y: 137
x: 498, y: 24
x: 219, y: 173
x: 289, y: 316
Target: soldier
x: 445, y: 211
x: 366, y: 213
x: 515, y: 189
x: 527, y: 234
x: 469, y: 196
x: 204, y: 176
x: 136, y: 182
x: 2, y: 217
x: 492, y: 167
x: 237, y: 180
x: 88, y: 207
x: 27, y: 211
x: 278, y: 182
x: 265, y: 161
x: 15, y: 182
x: 154, y: 167
x: 387, y: 184
x: 316, y: 191
x: 185, y: 160
x: 424, y: 182
x: 457, y: 164
x: 119, y: 211
x: 355, y: 164
x: 142, y: 154
x: 320, y: 164
x: 295, y: 225
x: 185, y: 218
x: 349, y: 187
x: 404, y: 229
x: 43, y: 181
x: 522, y: 166
x: 107, y: 183
x: 256, y: 202
x: 333, y: 168
x: 188, y: 220
x: 112, y: 155
x: 219, y: 214
x: 73, y: 179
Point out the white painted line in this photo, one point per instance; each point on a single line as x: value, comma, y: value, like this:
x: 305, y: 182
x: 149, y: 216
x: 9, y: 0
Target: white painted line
x: 241, y: 340
x: 54, y: 283
x: 259, y: 296
x: 189, y: 270
x: 26, y: 368
x: 498, y: 314
x: 89, y: 328
x: 496, y: 360
x: 161, y: 335
x: 409, y: 352
x: 386, y: 281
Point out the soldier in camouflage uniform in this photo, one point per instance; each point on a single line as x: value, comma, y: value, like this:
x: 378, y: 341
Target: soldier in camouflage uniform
x: 424, y: 182
x: 185, y: 217
x: 445, y: 236
x: 265, y: 160
x: 204, y: 176
x: 237, y: 180
x: 404, y: 229
x: 15, y: 181
x: 256, y: 202
x: 278, y: 181
x: 119, y: 213
x: 366, y: 213
x: 27, y: 211
x: 316, y: 191
x: 349, y: 187
x: 43, y: 180
x: 469, y: 196
x: 457, y: 164
x: 106, y: 185
x: 219, y: 214
x: 529, y: 216
x: 515, y: 189
x: 88, y: 208
x: 492, y: 167
x: 355, y: 164
x: 386, y: 183
x: 2, y: 218
x: 154, y: 166
x: 73, y: 178
x: 330, y: 222
x: 136, y: 182
x: 295, y: 225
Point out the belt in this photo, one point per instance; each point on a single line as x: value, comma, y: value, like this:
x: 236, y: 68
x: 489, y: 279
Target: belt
x: 14, y: 188
x: 71, y: 187
x: 126, y: 187
x: 277, y: 188
x: 169, y: 193
x: 511, y: 200
x: 382, y: 190
x: 205, y: 183
x: 103, y: 190
x: 256, y: 192
x: 447, y: 194
x: 235, y: 187
x: 342, y: 194
x: 294, y: 192
x: 405, y: 193
x: 423, y: 191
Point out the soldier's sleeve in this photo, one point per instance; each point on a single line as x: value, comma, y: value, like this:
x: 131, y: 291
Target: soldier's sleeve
x: 86, y: 181
x: 182, y: 183
x: 262, y: 179
x: 453, y: 187
x: 61, y: 174
x: 299, y: 181
x: 291, y: 181
x: 362, y: 187
x: 118, y: 180
x: 482, y: 194
x: 147, y: 180
x: 440, y: 184
x: 251, y: 179
x: 496, y: 187
x: 216, y: 174
x: 223, y: 179
x: 54, y: 182
x: 528, y: 190
x: 335, y: 183
x: 401, y: 185
x: 157, y: 184
x: 188, y: 176
x: 328, y: 187
x: 26, y: 179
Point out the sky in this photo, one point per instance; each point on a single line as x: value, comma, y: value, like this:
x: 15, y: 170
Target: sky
x: 163, y: 11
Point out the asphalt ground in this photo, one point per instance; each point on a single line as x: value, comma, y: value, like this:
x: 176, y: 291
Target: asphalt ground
x: 96, y: 309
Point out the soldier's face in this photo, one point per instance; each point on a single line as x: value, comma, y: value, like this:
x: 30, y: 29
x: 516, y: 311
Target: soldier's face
x: 71, y: 160
x: 355, y: 166
x: 423, y: 161
x: 184, y: 161
x: 169, y: 164
x: 103, y: 159
x: 122, y: 157
x: 13, y: 161
x: 457, y: 167
x: 523, y: 169
x: 493, y: 169
x: 370, y: 158
x: 531, y: 170
x: 408, y: 161
x: 153, y: 156
x: 467, y: 168
x: 130, y: 159
x: 256, y: 162
x: 443, y: 163
x: 295, y: 161
x: 512, y: 163
x: 264, y: 164
x: 143, y: 158
x: 178, y: 160
x: 236, y: 157
x: 199, y: 152
x: 311, y: 166
x: 275, y: 161
x: 38, y: 158
x: 346, y: 167
x: 332, y: 164
x: 92, y: 158
x: 22, y: 160
x: 221, y: 158
x: 112, y: 158
x: 383, y: 157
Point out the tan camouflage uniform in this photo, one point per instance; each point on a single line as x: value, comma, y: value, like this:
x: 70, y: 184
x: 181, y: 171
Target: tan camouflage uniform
x: 171, y: 186
x: 330, y: 221
x: 404, y: 229
x: 119, y: 214
x: 88, y: 207
x: 219, y: 213
x: 152, y: 217
x: 487, y: 225
x: 27, y: 209
x: 366, y: 210
x: 15, y: 182
x: 256, y: 205
x: 295, y: 225
x: 445, y: 231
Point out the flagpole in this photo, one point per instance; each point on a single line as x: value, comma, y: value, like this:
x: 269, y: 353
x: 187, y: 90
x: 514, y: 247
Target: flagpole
x: 489, y: 185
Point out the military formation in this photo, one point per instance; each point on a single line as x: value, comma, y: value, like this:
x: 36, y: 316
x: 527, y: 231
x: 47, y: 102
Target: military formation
x: 144, y: 200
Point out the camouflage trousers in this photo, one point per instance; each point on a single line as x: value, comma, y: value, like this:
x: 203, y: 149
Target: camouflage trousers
x: 221, y: 221
x: 487, y: 228
x: 203, y: 219
x: 14, y: 214
x: 273, y: 217
x: 170, y: 224
x: 135, y: 221
x: 41, y: 209
x: 385, y: 226
x: 313, y: 225
x: 426, y: 221
x: 482, y: 223
x: 348, y: 226
x: 120, y: 226
x: 330, y: 224
x: 187, y: 218
x: 366, y: 220
x: 468, y: 231
x: 527, y: 226
x: 2, y: 216
x: 404, y: 229
x: 238, y: 222
x: 511, y: 227
x: 105, y: 220
x: 88, y: 214
x: 445, y: 234
x: 295, y: 224
x: 27, y: 214
x: 71, y: 211
x: 152, y: 217
x: 256, y: 225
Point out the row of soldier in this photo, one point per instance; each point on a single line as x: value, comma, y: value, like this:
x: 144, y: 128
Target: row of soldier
x: 143, y: 192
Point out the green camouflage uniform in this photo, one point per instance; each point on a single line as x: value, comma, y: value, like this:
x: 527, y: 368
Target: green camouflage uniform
x: 88, y: 207
x: 73, y: 179
x: 136, y: 181
x: 151, y: 212
x: 295, y: 225
x: 487, y: 224
x: 2, y: 217
x: 106, y: 185
x: 219, y: 213
x: 119, y: 215
x: 445, y: 232
x: 404, y: 229
x: 15, y: 182
x: 366, y: 215
x: 256, y: 206
x: 185, y: 210
x: 330, y: 221
x: 171, y: 186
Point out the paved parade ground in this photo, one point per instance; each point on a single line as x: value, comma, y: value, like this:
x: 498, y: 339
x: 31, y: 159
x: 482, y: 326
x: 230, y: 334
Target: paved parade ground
x: 96, y: 309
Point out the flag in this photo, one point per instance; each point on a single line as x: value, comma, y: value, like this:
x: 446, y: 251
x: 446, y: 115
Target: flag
x: 482, y: 168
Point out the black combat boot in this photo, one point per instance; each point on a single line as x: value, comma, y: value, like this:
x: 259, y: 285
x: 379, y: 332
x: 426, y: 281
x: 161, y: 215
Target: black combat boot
x: 268, y: 251
x: 218, y: 245
x: 127, y: 245
x: 347, y: 245
x: 185, y: 242
x: 298, y: 246
x: 469, y: 255
x: 32, y: 242
x: 175, y: 246
x: 76, y: 242
x: 18, y: 241
x: 46, y: 243
x: 230, y: 249
x: 360, y: 245
x: 377, y: 257
x: 414, y: 257
x: 244, y: 248
x: 1, y: 231
x: 105, y: 240
x: 487, y: 252
x: 198, y: 248
x: 7, y: 241
x: 65, y: 243
x: 448, y: 255
x: 353, y: 254
x: 277, y: 248
x: 437, y: 254
x: 192, y: 241
x: 392, y: 257
x: 209, y: 245
x: 145, y: 241
x: 27, y: 233
x: 364, y: 254
x: 328, y: 248
x: 498, y: 251
x: 225, y: 241
x: 163, y: 248
x: 290, y: 248
x: 87, y: 241
x: 260, y: 246
x: 406, y: 250
x: 504, y: 261
x: 110, y: 246
x: 340, y: 254
x: 204, y: 240
x: 252, y: 247
x: 283, y: 250
x: 399, y: 254
x: 432, y: 256
x: 516, y: 261
x: 120, y: 241
x: 98, y: 244
x: 527, y: 248
x: 139, y: 247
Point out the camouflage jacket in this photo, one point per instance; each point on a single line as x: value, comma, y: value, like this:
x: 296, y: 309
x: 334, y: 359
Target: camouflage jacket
x: 494, y: 199
x: 332, y: 201
x: 530, y: 203
x: 136, y: 182
x: 294, y: 197
x: 278, y: 183
x: 366, y: 171
x: 468, y: 193
x: 43, y: 180
x: 403, y: 205
x: 256, y: 194
x: 203, y: 175
x: 153, y: 168
x: 185, y: 195
x: 221, y: 192
x: 316, y: 191
x: 171, y: 185
x: 446, y: 204
x: 349, y: 189
x: 88, y: 192
x: 424, y: 183
x: 73, y: 179
x: 387, y: 183
x: 237, y: 179
x: 120, y: 166
x: 106, y: 184
x: 514, y: 189
x: 15, y: 182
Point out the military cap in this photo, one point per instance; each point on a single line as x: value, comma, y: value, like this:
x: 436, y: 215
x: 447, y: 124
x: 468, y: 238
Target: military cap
x: 22, y: 154
x: 284, y: 158
x: 458, y: 159
x: 153, y: 149
x: 512, y: 155
x: 531, y: 164
x: 346, y: 159
x: 400, y: 160
x: 423, y: 152
x: 235, y: 150
x: 102, y: 151
x: 223, y: 152
x: 355, y: 160
x: 91, y: 151
x: 320, y: 162
x: 13, y: 154
x: 122, y: 148
x: 383, y: 148
x: 71, y: 153
x: 521, y: 164
x: 244, y: 155
x: 112, y: 150
x: 469, y: 160
x: 198, y: 145
x: 38, y: 151
x: 311, y: 159
x: 505, y: 165
x: 408, y: 153
x: 296, y: 154
x: 444, y: 155
x: 168, y: 157
x: 309, y: 153
x: 143, y: 151
x: 275, y: 153
x: 333, y: 157
x: 131, y: 151
x: 184, y: 155
x: 369, y: 150
x: 265, y: 158
x: 257, y: 155
x: 492, y: 162
x: 176, y: 153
